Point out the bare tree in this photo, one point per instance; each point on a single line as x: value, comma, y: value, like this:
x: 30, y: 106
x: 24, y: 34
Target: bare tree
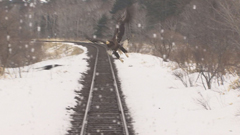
x: 207, y: 38
x: 16, y: 31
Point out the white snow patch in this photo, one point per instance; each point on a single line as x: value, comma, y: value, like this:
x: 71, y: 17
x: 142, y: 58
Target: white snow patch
x: 160, y: 104
x: 36, y: 103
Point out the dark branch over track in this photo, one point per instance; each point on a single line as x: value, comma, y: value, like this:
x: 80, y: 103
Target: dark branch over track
x: 101, y: 109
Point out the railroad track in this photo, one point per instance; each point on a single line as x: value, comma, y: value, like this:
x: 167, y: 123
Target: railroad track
x: 101, y: 109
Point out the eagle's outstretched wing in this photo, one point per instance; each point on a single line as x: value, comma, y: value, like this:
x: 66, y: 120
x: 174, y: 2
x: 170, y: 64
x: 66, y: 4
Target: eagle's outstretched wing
x: 120, y: 29
x: 95, y: 40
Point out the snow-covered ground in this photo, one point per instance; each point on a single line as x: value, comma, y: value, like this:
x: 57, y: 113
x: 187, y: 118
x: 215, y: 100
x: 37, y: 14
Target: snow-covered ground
x: 161, y: 105
x: 36, y: 103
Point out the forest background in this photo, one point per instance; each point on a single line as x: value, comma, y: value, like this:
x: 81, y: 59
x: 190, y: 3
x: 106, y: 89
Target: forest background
x: 201, y: 36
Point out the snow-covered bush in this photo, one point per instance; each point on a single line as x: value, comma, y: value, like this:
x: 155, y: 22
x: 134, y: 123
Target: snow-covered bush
x: 184, y: 77
x: 184, y: 73
x: 202, y: 101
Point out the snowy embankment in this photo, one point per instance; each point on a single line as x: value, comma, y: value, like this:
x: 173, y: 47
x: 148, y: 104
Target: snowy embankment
x: 36, y: 103
x: 161, y: 105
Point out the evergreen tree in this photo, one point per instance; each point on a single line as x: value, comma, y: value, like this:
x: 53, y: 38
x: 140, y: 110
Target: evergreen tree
x: 101, y: 26
x: 159, y: 10
x: 120, y: 4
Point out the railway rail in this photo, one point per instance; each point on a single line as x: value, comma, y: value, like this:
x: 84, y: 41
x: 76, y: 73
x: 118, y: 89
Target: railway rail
x: 101, y: 109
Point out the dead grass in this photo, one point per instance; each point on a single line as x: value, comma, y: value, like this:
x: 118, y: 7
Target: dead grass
x: 58, y: 50
x: 61, y: 39
x: 235, y: 84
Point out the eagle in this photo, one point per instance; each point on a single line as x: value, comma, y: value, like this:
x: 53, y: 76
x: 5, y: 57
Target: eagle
x: 115, y: 44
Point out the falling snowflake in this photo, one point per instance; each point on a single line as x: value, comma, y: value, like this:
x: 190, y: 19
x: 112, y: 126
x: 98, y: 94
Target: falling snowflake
x: 32, y: 5
x: 94, y: 36
x: 26, y: 46
x: 32, y: 50
x: 194, y: 6
x: 162, y: 30
x: 8, y: 37
x: 10, y: 50
x: 21, y: 21
x: 154, y: 35
x: 30, y: 24
x: 164, y: 56
x: 38, y: 28
x: 139, y: 25
x: 6, y: 18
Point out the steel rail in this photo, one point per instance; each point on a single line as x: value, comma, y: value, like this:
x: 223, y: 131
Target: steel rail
x: 119, y: 99
x: 90, y: 95
x: 120, y: 105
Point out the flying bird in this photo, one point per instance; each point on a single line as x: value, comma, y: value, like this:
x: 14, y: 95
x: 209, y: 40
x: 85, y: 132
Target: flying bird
x: 115, y: 44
